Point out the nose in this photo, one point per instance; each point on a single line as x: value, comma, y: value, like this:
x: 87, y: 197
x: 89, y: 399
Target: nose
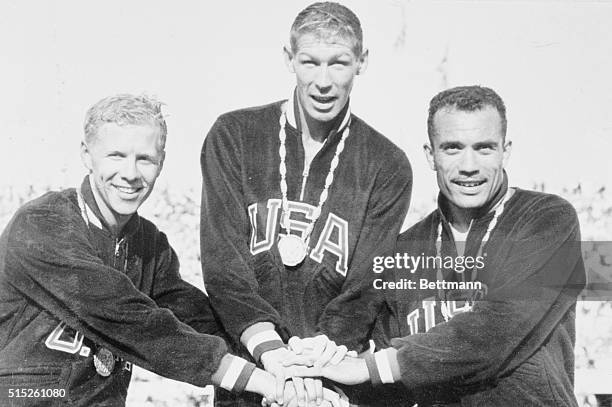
x: 468, y: 166
x: 129, y: 170
x: 323, y: 78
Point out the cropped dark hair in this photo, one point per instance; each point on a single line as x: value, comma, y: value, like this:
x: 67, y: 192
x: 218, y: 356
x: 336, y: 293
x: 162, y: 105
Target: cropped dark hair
x: 466, y: 99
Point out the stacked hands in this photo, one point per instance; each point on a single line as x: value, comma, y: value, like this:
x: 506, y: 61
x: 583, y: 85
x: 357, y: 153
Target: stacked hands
x: 297, y: 372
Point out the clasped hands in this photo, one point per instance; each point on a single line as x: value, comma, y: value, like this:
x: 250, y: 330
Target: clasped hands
x: 303, y: 362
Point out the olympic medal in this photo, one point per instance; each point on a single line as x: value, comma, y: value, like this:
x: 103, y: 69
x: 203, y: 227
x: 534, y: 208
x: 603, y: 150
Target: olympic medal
x: 292, y: 249
x: 104, y: 361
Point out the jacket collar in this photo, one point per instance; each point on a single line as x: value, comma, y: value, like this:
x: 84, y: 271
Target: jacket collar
x: 483, y: 211
x: 94, y: 215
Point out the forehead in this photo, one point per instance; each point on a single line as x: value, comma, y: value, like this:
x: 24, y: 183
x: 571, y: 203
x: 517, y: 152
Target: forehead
x: 139, y: 137
x: 324, y: 43
x: 467, y: 127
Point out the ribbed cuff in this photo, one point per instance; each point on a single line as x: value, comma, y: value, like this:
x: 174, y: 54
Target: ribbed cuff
x: 262, y: 342
x: 380, y: 367
x: 237, y: 375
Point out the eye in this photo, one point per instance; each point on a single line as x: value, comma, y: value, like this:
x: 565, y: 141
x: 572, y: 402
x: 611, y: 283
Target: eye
x: 115, y: 155
x: 486, y: 149
x: 148, y: 160
x: 451, y: 148
x: 341, y: 63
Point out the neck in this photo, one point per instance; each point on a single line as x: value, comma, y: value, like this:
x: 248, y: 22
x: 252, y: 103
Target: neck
x: 115, y: 222
x: 314, y: 129
x: 461, y: 218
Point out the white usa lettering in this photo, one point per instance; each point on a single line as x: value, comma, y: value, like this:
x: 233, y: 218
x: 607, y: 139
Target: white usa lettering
x: 428, y: 305
x: 335, y: 226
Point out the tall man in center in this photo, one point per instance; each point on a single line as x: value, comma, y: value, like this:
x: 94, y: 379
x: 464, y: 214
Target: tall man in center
x: 298, y: 196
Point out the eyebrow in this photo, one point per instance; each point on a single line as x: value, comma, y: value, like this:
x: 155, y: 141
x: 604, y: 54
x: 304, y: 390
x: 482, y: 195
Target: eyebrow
x: 488, y: 143
x: 448, y: 144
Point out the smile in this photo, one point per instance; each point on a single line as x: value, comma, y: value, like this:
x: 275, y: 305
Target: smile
x: 468, y: 184
x: 323, y: 99
x: 127, y: 190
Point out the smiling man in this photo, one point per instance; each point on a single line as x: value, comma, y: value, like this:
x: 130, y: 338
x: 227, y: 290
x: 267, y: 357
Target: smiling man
x: 298, y: 196
x: 509, y: 343
x: 88, y: 287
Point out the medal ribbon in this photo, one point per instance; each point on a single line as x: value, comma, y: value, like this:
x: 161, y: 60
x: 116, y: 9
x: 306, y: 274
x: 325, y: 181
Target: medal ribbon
x: 282, y: 152
x: 498, y: 210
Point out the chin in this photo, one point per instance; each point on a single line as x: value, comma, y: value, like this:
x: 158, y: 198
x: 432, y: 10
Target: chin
x: 469, y: 202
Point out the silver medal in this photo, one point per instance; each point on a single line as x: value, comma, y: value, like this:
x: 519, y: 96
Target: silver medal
x: 104, y: 361
x: 292, y: 249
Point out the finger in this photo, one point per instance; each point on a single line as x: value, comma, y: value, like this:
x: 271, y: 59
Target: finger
x: 303, y: 360
x: 303, y: 371
x: 311, y: 391
x: 319, y: 391
x: 279, y: 374
x: 320, y: 342
x: 341, y: 351
x: 296, y: 344
x: 332, y: 397
x: 327, y: 354
x: 352, y: 353
x: 290, y: 398
x: 298, y: 382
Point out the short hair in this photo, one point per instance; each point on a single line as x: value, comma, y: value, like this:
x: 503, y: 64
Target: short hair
x: 326, y: 20
x: 466, y: 99
x: 125, y: 109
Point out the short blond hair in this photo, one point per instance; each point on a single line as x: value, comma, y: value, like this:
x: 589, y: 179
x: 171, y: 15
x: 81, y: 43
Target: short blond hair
x: 326, y: 20
x: 125, y: 109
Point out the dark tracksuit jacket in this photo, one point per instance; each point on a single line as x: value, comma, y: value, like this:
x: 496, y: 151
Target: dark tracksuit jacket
x: 66, y: 290
x: 331, y: 291
x: 515, y: 348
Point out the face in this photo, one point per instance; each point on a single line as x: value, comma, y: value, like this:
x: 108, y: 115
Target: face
x: 325, y: 71
x: 123, y: 162
x: 468, y: 155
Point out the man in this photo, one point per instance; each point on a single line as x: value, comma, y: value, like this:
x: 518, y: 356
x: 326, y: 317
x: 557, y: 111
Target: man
x: 506, y: 338
x: 88, y: 287
x: 297, y: 197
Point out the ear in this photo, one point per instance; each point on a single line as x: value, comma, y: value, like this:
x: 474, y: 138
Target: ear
x: 288, y: 57
x: 161, y: 162
x: 363, y: 62
x: 429, y: 155
x: 86, y: 156
x: 507, y: 152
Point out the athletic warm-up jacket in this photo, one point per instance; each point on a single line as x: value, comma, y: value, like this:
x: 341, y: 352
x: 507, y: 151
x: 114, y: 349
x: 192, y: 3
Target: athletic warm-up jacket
x: 69, y: 289
x: 331, y: 291
x: 508, y: 343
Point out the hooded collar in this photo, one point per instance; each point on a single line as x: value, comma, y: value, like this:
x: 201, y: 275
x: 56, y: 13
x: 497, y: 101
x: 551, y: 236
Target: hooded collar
x: 483, y: 211
x: 293, y: 115
x: 94, y: 215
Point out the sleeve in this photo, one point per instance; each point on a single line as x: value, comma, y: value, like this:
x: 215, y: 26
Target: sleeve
x: 224, y: 231
x: 50, y: 261
x: 188, y: 303
x: 538, y: 282
x: 350, y: 317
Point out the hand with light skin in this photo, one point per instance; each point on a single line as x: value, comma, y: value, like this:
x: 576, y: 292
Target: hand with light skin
x: 350, y: 370
x: 316, y: 351
x: 307, y: 390
x: 330, y: 398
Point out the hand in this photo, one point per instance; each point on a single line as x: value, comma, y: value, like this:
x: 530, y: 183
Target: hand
x: 349, y: 371
x: 273, y: 363
x: 262, y: 382
x: 317, y: 351
x: 330, y: 399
